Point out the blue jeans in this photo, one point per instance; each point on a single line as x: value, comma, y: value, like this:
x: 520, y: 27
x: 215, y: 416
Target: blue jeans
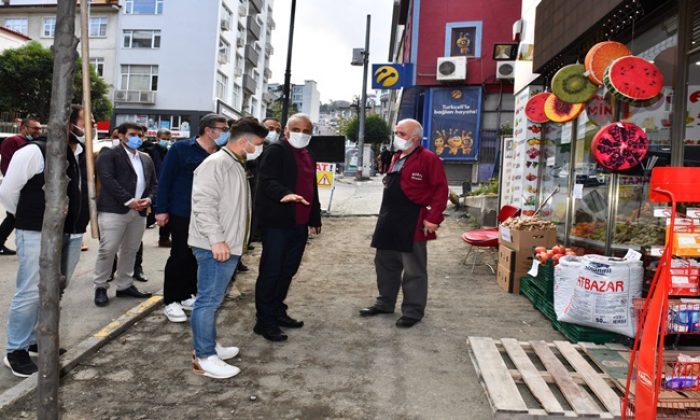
x: 213, y: 278
x: 24, y: 309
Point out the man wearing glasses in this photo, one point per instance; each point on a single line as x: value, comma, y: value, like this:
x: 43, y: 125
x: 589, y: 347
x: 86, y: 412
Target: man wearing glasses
x: 173, y: 207
x: 29, y: 129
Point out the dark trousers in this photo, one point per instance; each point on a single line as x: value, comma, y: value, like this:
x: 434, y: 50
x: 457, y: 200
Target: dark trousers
x: 282, y: 250
x: 181, y: 267
x: 6, y: 228
x: 164, y: 232
x: 405, y: 270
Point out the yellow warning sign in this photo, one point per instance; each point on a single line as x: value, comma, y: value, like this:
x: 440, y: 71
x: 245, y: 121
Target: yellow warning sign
x: 325, y: 174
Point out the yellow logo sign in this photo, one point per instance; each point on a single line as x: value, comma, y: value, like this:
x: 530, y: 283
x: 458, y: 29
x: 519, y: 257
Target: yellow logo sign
x: 386, y: 76
x: 325, y: 174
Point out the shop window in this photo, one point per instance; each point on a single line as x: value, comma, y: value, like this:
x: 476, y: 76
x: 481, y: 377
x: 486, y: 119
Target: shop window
x: 553, y: 168
x: 49, y: 27
x: 143, y: 7
x: 692, y: 122
x: 98, y: 27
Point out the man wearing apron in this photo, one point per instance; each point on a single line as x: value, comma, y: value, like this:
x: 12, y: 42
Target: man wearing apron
x: 415, y: 196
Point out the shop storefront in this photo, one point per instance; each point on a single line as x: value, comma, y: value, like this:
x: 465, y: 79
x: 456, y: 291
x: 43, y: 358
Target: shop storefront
x: 551, y: 165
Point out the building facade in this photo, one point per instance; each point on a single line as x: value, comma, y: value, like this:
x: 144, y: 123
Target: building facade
x: 306, y: 97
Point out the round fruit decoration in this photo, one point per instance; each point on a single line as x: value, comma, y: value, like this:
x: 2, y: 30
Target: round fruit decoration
x: 559, y: 111
x: 571, y: 85
x: 600, y: 56
x: 633, y: 78
x: 534, y: 109
x: 619, y: 146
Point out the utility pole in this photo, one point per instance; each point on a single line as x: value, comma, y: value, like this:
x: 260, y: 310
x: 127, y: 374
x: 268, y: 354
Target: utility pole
x: 363, y: 105
x: 87, y: 117
x: 288, y: 70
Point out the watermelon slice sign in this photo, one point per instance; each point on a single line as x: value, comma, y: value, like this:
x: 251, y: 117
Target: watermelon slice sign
x: 534, y: 109
x: 619, y: 146
x: 633, y: 78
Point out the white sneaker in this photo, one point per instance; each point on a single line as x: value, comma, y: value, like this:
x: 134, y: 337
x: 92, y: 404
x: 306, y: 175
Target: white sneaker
x: 213, y: 367
x: 175, y: 313
x: 188, y: 304
x: 226, y: 353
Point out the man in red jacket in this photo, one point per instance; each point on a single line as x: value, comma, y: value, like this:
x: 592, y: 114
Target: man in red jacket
x: 415, y: 195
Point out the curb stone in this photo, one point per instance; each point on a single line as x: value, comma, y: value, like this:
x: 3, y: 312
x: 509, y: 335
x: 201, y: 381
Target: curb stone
x: 84, y: 349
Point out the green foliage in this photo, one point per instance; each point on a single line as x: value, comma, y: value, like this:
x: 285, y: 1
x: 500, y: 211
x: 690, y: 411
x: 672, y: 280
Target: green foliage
x: 490, y: 188
x: 377, y: 131
x: 275, y: 110
x: 25, y: 83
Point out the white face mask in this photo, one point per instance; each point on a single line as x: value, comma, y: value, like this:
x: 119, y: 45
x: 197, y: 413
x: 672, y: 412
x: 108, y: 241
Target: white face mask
x: 272, y: 136
x: 116, y: 142
x: 299, y: 140
x: 258, y: 151
x: 401, y: 144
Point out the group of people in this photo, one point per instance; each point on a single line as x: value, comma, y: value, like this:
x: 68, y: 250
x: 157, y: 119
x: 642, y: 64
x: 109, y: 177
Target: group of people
x: 210, y: 194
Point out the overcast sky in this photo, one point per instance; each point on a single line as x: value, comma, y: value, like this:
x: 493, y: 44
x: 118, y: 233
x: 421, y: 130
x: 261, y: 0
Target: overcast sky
x: 325, y: 32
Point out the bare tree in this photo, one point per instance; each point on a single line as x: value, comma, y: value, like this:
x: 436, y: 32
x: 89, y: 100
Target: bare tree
x: 52, y: 280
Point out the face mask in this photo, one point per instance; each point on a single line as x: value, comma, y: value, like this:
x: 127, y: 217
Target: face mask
x: 258, y: 151
x: 299, y: 140
x: 134, y: 142
x: 115, y: 142
x: 222, y: 139
x: 29, y: 137
x: 272, y: 136
x: 164, y: 144
x: 401, y: 144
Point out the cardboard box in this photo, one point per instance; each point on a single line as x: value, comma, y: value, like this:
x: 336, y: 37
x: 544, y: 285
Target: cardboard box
x: 527, y: 240
x: 512, y: 265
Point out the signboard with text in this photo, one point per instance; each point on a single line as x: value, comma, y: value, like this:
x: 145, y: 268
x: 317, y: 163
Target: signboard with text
x: 454, y: 120
x: 325, y: 174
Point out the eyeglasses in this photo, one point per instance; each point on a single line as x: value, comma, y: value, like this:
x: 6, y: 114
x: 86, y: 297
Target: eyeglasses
x: 219, y: 128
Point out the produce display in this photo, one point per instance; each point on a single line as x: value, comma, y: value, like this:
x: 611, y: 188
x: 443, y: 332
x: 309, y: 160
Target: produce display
x: 527, y: 223
x: 633, y: 78
x: 625, y: 233
x: 544, y: 255
x: 600, y: 56
x: 560, y: 111
x: 620, y: 146
x: 534, y: 109
x: 571, y: 85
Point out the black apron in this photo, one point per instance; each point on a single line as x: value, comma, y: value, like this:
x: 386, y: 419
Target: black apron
x: 398, y: 217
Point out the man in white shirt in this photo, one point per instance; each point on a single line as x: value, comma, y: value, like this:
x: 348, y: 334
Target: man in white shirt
x: 128, y: 182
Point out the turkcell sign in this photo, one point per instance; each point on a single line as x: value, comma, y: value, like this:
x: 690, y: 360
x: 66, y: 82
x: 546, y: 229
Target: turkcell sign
x: 391, y: 76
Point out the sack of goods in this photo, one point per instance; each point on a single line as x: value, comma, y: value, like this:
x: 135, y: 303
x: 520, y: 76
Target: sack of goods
x: 597, y: 291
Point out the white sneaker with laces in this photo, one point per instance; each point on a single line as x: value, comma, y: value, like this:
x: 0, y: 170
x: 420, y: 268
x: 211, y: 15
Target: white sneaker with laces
x: 175, y: 313
x: 226, y: 353
x: 188, y: 304
x: 213, y: 367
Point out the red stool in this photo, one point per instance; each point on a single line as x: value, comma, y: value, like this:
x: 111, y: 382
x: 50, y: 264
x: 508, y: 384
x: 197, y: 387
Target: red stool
x: 487, y: 238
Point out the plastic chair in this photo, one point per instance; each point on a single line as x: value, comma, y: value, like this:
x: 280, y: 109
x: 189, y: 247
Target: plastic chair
x: 486, y: 238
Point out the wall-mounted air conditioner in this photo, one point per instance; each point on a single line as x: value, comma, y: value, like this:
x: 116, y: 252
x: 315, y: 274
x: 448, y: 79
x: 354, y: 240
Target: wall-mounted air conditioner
x: 505, y: 70
x: 451, y: 68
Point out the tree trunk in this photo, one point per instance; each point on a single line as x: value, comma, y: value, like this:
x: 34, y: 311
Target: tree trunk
x: 52, y: 280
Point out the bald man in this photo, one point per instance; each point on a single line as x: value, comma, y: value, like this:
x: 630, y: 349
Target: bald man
x: 287, y: 209
x: 415, y: 196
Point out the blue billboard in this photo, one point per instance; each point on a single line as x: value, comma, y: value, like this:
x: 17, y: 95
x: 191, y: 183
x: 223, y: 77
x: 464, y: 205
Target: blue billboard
x: 453, y: 119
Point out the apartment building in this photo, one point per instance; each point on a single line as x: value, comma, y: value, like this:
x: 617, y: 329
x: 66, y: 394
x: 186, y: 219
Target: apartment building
x: 306, y: 97
x: 170, y: 62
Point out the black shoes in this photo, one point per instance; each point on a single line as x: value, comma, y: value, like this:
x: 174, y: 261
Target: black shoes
x: 138, y: 275
x: 373, y: 310
x: 164, y: 243
x: 34, y: 350
x: 101, y: 298
x: 242, y: 267
x: 404, y: 322
x: 7, y: 251
x: 20, y: 364
x: 270, y: 334
x: 287, y: 322
x: 133, y: 292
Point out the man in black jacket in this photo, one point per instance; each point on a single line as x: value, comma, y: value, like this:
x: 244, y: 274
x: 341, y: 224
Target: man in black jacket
x: 288, y: 209
x: 128, y: 182
x: 22, y: 194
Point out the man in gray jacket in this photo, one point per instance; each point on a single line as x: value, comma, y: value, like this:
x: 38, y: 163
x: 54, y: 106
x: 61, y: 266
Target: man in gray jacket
x: 219, y: 230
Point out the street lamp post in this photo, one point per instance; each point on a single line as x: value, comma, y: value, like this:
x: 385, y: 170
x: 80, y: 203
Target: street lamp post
x: 288, y: 70
x: 363, y: 105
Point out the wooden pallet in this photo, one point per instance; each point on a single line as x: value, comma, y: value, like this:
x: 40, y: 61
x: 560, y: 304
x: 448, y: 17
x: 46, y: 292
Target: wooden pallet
x: 557, y: 379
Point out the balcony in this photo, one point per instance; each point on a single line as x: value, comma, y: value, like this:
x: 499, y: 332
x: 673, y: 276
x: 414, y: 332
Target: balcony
x: 268, y: 73
x: 270, y: 20
x: 251, y: 55
x: 255, y: 7
x: 135, y: 96
x: 248, y: 84
x: 254, y: 27
x: 269, y: 49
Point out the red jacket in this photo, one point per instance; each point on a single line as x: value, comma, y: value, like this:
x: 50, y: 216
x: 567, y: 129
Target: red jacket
x: 9, y: 146
x: 424, y: 182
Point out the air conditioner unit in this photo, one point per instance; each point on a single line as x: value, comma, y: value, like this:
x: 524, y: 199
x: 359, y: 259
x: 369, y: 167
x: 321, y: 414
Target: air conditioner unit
x: 120, y: 95
x: 242, y: 10
x: 225, y: 24
x: 451, y: 68
x: 238, y: 72
x: 505, y: 70
x: 240, y: 41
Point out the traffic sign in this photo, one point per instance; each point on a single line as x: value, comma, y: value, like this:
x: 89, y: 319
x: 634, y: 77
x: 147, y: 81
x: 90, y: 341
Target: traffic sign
x: 325, y: 174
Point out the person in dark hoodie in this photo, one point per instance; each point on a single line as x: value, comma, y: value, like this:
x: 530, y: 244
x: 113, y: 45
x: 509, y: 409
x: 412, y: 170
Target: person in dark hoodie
x: 22, y: 194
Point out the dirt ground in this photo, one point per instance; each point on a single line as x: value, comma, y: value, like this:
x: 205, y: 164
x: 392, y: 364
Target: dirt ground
x: 338, y: 366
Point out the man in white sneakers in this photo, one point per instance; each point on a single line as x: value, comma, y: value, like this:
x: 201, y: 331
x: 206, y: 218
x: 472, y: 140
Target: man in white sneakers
x: 219, y: 231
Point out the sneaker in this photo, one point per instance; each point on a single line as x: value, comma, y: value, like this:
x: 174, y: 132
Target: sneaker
x: 213, y: 367
x: 7, y: 251
x: 20, y: 364
x: 34, y: 351
x: 188, y: 304
x: 226, y: 353
x: 175, y: 313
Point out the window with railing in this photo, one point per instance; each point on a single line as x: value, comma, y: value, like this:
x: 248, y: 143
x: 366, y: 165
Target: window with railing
x: 143, y: 7
x: 139, y: 77
x: 48, y: 27
x: 141, y: 38
x: 98, y: 27
x: 20, y: 25
x: 221, y: 85
x: 224, y: 51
